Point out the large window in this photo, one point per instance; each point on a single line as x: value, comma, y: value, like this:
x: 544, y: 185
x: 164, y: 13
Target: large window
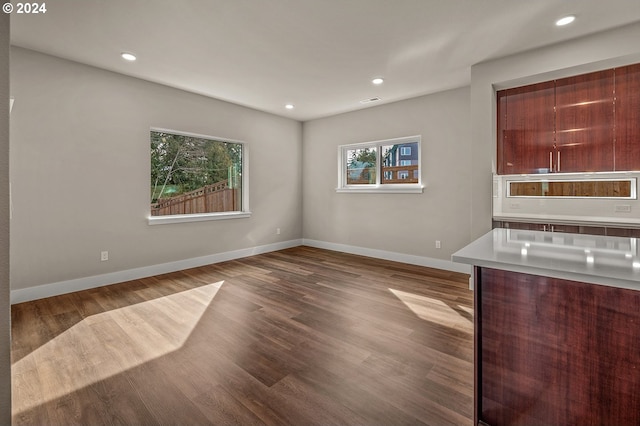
x: 196, y: 177
x: 382, y: 166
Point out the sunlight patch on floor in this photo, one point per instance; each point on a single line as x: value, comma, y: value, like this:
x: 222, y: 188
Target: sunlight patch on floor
x: 435, y: 310
x: 107, y: 344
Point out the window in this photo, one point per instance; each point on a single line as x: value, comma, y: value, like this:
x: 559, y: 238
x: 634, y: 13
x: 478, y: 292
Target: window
x: 377, y: 167
x: 195, y: 177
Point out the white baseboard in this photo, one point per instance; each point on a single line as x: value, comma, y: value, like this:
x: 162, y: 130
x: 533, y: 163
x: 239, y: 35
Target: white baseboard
x: 429, y: 262
x: 62, y: 287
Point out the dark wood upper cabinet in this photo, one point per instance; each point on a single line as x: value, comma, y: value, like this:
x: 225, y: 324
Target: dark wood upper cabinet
x: 627, y: 118
x: 584, y: 122
x: 525, y: 125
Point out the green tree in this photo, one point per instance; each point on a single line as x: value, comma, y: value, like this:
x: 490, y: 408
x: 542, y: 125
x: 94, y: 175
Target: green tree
x: 363, y: 163
x: 181, y: 163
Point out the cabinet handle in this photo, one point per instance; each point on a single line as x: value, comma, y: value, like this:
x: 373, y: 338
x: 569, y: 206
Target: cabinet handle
x: 558, y: 164
x: 550, y: 161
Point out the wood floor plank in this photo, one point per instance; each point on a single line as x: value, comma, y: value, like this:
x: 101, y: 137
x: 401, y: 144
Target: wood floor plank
x: 298, y: 336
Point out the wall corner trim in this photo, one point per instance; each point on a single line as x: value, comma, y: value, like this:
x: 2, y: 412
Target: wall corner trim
x: 78, y: 284
x: 429, y: 262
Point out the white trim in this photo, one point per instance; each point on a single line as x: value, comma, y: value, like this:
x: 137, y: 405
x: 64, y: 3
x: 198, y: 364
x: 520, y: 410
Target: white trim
x: 429, y: 262
x: 79, y: 284
x: 383, y: 189
x: 195, y: 135
x: 180, y: 218
x: 62, y: 287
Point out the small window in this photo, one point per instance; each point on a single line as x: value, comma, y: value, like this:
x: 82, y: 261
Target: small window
x: 378, y: 166
x: 196, y: 177
x: 361, y: 166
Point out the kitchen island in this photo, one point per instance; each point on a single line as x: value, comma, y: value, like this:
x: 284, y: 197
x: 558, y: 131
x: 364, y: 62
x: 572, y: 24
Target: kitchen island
x: 557, y: 328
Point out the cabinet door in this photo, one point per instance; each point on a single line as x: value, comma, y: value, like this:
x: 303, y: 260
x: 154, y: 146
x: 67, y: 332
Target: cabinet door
x: 555, y: 352
x: 584, y: 122
x: 525, y: 126
x: 627, y: 118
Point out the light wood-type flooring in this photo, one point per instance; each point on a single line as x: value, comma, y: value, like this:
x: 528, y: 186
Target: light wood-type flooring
x: 301, y: 336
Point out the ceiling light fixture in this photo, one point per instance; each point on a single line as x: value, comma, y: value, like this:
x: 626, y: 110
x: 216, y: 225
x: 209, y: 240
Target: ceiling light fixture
x: 565, y: 21
x: 377, y: 81
x: 289, y: 106
x: 128, y: 56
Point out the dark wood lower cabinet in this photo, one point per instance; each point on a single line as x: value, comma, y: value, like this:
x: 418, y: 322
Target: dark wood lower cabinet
x: 555, y: 352
x: 570, y: 228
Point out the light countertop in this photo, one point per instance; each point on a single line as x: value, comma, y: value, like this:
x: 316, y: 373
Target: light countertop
x: 611, y: 261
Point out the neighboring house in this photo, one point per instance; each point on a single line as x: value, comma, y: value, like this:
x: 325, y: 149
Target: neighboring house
x: 401, y: 155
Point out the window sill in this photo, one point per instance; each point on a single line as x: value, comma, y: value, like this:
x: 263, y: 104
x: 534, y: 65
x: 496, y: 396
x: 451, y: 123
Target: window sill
x: 163, y: 220
x: 383, y: 189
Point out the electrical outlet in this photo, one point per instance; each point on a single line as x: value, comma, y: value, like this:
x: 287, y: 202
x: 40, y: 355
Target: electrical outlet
x: 104, y: 256
x: 438, y: 245
x: 623, y: 208
x: 277, y: 231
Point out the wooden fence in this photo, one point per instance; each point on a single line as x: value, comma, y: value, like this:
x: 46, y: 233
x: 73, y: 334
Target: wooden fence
x: 391, y: 171
x: 217, y: 197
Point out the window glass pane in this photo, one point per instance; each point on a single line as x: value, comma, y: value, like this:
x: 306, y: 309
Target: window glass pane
x: 597, y: 188
x: 361, y: 166
x: 400, y: 163
x: 193, y: 175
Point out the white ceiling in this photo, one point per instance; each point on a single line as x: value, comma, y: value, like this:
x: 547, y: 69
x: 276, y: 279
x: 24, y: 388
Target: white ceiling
x: 317, y: 54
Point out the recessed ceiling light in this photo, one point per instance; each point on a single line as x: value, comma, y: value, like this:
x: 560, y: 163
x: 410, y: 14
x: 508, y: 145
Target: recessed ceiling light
x: 565, y: 21
x: 289, y: 106
x: 377, y: 81
x: 128, y: 56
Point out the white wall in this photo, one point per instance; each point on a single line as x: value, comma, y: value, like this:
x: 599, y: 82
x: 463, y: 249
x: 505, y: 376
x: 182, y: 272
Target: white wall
x: 5, y: 308
x: 80, y: 172
x: 80, y: 165
x: 398, y: 223
x: 596, y: 52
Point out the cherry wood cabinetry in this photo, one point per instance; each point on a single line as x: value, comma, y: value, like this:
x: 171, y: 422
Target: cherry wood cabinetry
x: 555, y: 352
x: 584, y: 122
x: 627, y: 118
x: 611, y: 231
x: 525, y: 128
x: 550, y: 227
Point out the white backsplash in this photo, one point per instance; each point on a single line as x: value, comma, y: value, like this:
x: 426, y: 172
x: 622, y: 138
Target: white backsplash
x: 605, y: 211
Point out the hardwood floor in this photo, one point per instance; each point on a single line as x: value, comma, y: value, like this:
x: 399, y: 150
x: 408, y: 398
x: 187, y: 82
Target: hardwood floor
x: 297, y: 337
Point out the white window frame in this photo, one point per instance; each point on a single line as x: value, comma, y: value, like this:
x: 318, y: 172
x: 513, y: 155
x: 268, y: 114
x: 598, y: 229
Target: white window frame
x: 405, y: 150
x: 200, y: 217
x: 399, y: 188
